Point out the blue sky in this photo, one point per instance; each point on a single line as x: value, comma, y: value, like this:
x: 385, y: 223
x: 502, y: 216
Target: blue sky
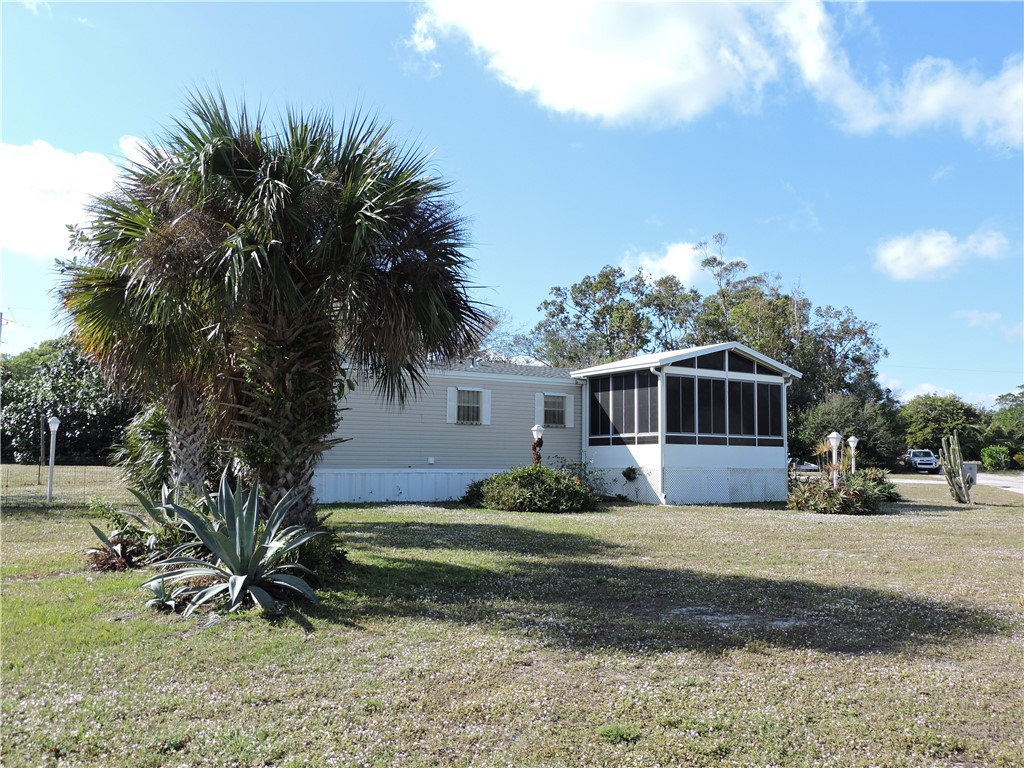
x: 869, y: 153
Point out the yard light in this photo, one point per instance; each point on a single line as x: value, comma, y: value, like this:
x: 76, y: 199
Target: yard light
x: 834, y: 439
x: 538, y: 442
x: 852, y: 442
x: 54, y: 422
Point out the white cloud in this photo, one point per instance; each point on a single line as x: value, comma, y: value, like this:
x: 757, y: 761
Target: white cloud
x: 935, y: 253
x: 679, y: 259
x: 941, y: 173
x: 675, y: 62
x: 610, y: 61
x: 977, y: 319
x: 1014, y: 333
x: 44, y: 189
x: 936, y: 92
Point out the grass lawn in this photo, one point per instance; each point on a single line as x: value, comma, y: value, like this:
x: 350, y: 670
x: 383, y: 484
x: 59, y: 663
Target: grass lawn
x: 636, y: 636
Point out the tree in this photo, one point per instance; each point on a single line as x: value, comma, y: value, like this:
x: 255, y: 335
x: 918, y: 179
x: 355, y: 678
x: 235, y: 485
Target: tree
x: 875, y: 425
x: 929, y: 418
x: 55, y: 379
x: 155, y: 346
x: 338, y: 252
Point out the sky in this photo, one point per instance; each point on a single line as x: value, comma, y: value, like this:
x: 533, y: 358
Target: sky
x: 868, y: 154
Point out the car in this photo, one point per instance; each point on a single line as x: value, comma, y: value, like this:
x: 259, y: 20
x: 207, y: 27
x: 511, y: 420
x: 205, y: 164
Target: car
x: 921, y: 460
x: 796, y: 465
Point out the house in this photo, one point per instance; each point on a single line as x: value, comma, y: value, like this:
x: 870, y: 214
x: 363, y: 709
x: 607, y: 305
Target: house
x: 701, y: 425
x: 705, y: 425
x: 473, y: 420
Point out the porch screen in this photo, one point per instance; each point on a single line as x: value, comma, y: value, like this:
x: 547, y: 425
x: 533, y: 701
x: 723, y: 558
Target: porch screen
x: 623, y: 409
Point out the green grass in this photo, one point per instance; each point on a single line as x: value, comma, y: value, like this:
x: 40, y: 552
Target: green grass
x: 633, y: 636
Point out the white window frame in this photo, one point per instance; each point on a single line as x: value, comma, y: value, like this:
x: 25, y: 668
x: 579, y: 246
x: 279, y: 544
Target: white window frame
x: 453, y: 406
x: 538, y: 409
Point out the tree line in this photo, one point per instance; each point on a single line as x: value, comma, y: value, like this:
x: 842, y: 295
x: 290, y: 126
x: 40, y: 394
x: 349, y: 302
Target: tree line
x: 613, y: 315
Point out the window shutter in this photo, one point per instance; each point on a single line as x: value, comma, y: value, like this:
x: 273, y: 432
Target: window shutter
x: 486, y: 406
x: 538, y: 408
x: 569, y: 422
x: 453, y: 404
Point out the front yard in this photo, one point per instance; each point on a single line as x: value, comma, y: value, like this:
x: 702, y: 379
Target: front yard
x: 635, y: 636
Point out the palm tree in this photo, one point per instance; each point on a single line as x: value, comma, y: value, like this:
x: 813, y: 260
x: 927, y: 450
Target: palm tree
x: 339, y: 253
x: 151, y: 344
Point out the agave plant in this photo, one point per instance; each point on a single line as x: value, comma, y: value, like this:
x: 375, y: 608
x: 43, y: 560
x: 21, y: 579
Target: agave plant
x: 247, y: 558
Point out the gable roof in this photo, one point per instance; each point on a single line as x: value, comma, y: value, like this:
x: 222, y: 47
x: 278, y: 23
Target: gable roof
x: 659, y: 359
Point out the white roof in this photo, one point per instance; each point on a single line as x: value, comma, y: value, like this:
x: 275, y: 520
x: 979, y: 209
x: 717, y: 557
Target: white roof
x: 659, y: 359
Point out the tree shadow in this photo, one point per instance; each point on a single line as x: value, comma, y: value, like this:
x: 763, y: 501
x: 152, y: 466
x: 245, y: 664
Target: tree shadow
x: 484, y: 537
x: 583, y: 605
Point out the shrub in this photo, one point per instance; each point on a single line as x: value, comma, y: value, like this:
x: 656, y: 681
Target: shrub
x: 995, y: 457
x: 879, y: 479
x: 474, y: 495
x: 538, y: 489
x: 242, y: 556
x: 594, y: 479
x: 1018, y: 458
x: 858, y: 494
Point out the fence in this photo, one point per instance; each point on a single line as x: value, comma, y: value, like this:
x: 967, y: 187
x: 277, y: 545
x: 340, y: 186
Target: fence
x: 25, y: 485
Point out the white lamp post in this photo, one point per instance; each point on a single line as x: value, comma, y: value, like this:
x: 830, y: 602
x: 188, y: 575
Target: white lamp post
x: 852, y: 442
x: 834, y: 439
x: 538, y: 442
x: 54, y: 422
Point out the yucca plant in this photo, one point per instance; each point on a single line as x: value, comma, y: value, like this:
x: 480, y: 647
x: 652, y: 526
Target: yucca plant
x: 246, y: 556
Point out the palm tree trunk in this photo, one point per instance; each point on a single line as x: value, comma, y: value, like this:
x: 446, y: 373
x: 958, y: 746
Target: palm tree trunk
x: 189, y: 434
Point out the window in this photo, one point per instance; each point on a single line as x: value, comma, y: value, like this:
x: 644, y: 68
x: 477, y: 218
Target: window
x: 469, y: 405
x: 769, y: 410
x: 554, y: 411
x: 711, y: 406
x: 680, y: 412
x: 624, y: 408
x: 741, y: 408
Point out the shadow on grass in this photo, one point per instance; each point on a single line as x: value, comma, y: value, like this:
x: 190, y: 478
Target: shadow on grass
x: 483, y: 537
x: 582, y: 604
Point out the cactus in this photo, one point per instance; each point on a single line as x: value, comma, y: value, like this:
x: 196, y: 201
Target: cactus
x: 953, y: 468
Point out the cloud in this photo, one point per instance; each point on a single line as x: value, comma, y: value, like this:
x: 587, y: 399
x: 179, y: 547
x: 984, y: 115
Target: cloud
x: 35, y: 5
x: 977, y: 319
x: 665, y: 63
x: 924, y: 389
x: 935, y: 253
x: 609, y: 61
x: 44, y: 189
x: 1014, y: 333
x: 679, y: 259
x: 941, y: 173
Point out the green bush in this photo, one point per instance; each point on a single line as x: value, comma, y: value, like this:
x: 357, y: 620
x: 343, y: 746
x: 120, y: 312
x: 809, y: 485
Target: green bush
x: 995, y: 457
x: 861, y: 493
x: 1018, y: 459
x: 538, y: 489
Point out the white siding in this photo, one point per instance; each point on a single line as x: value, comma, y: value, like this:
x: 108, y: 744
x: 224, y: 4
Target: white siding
x: 419, y: 436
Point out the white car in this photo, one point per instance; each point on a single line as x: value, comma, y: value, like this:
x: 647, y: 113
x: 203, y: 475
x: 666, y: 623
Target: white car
x: 796, y: 465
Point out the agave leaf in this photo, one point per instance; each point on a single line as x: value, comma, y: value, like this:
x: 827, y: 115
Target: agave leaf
x: 205, y: 594
x: 184, y: 574
x: 295, y: 583
x: 101, y: 536
x: 236, y: 590
x: 293, y: 567
x: 266, y: 603
x: 217, y: 542
x: 298, y: 541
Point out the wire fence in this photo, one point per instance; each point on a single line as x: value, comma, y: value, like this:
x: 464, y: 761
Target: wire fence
x: 25, y: 485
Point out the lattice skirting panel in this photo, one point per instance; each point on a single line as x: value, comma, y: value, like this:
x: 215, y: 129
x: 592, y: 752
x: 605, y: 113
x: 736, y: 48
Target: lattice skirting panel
x: 642, y: 490
x: 724, y: 485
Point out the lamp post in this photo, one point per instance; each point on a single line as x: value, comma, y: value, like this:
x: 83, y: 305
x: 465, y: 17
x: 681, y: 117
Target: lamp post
x: 852, y: 442
x: 538, y: 442
x: 54, y: 422
x: 834, y: 439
